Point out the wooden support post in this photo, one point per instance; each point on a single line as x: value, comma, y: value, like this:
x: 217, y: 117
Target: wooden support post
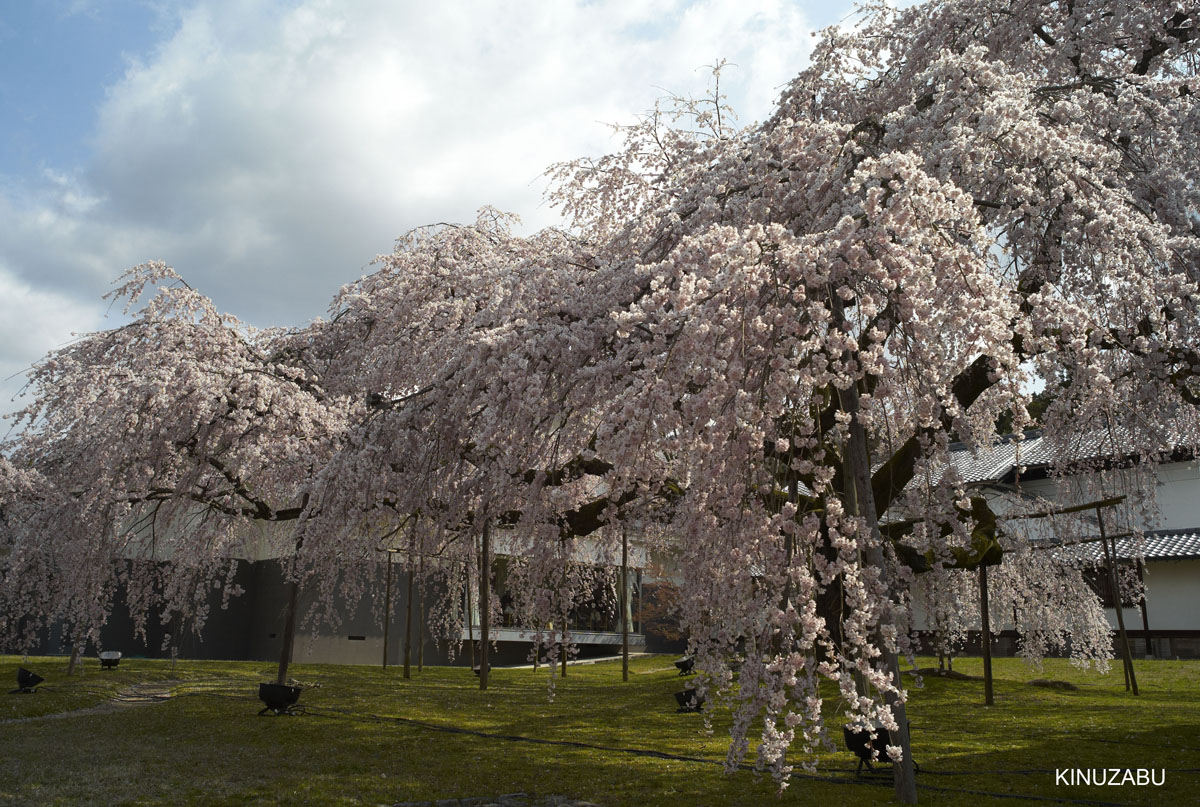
x: 485, y: 601
x: 408, y: 621
x: 986, y: 636
x: 470, y: 618
x: 638, y: 625
x: 563, y: 644
x: 421, y: 613
x: 1111, y: 559
x: 387, y: 605
x: 625, y: 610
x: 1141, y: 569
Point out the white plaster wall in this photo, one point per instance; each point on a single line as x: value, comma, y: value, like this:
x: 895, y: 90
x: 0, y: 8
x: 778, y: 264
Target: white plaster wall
x: 921, y: 621
x: 1172, y: 597
x: 1178, y: 495
x: 1172, y: 586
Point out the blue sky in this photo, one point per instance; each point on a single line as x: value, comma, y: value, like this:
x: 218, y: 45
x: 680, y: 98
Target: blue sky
x: 56, y: 61
x: 268, y: 150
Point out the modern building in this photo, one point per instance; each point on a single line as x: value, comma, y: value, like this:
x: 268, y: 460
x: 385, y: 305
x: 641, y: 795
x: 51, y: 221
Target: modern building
x: 250, y: 626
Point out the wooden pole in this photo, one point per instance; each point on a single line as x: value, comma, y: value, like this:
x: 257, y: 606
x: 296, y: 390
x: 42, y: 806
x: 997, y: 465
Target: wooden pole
x: 1145, y: 616
x: 408, y: 620
x: 1111, y: 560
x: 1075, y: 508
x: 470, y: 618
x: 986, y: 637
x: 387, y: 606
x: 485, y: 611
x: 563, y: 644
x: 625, y: 605
x: 176, y: 637
x: 638, y: 627
x: 1125, y: 671
x: 566, y: 610
x: 421, y: 613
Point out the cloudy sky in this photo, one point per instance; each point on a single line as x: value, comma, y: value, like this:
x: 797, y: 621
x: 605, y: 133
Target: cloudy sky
x: 268, y: 150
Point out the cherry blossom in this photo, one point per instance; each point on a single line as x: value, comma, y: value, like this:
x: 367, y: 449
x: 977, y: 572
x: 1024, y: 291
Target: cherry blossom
x: 753, y: 348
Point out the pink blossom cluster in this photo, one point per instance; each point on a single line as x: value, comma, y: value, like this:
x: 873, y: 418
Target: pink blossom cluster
x: 752, y: 349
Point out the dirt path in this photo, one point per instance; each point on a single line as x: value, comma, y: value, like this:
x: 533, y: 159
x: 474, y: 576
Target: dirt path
x: 138, y: 694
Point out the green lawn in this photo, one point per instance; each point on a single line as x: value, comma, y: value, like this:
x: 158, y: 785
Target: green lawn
x: 206, y: 746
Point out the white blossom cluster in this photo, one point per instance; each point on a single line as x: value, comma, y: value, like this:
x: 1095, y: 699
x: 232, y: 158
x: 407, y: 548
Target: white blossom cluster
x: 753, y: 348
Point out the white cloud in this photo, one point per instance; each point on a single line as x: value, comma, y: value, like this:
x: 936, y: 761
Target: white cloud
x: 33, y: 322
x: 270, y: 152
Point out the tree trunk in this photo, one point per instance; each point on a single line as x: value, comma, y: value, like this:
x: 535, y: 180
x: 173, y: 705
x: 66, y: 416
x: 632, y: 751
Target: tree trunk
x: 76, y: 652
x: 289, y: 632
x: 859, y: 463
x: 485, y: 611
x: 860, y: 501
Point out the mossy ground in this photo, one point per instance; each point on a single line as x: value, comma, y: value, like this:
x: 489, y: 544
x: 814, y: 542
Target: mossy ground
x: 205, y: 746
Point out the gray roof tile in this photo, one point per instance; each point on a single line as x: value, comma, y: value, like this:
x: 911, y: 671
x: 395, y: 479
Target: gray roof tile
x: 1159, y: 545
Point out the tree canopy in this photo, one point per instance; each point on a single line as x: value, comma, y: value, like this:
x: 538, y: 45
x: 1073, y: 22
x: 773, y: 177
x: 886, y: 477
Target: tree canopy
x: 759, y: 342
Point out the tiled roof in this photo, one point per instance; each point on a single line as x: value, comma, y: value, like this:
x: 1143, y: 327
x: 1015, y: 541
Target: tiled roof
x: 994, y: 463
x: 988, y: 465
x: 1159, y: 545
